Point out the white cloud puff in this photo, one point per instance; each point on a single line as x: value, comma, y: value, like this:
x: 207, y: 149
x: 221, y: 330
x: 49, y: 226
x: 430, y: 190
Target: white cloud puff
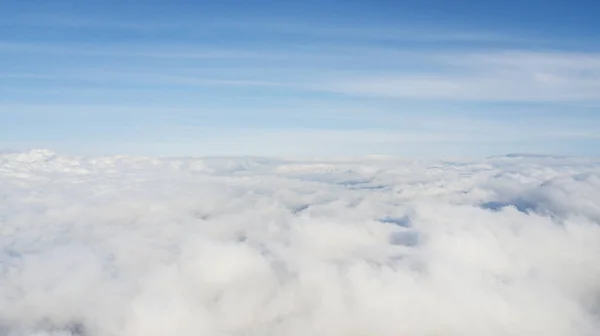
x: 136, y: 246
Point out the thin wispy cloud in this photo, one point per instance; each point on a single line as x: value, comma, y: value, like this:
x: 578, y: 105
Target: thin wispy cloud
x: 174, y: 51
x: 492, y: 76
x: 46, y: 20
x: 500, y: 76
x: 293, y: 28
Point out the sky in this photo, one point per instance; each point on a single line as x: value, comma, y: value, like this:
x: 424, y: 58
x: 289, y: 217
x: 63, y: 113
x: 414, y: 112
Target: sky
x: 322, y: 78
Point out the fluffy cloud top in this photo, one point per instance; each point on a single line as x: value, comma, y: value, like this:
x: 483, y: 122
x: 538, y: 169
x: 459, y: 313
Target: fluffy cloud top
x: 135, y: 246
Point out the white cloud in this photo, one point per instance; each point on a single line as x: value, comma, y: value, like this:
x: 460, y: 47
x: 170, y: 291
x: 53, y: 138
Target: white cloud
x: 357, y: 69
x: 494, y: 76
x: 216, y: 246
x: 406, y: 32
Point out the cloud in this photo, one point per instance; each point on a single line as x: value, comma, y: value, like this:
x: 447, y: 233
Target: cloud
x: 358, y: 70
x: 315, y: 29
x: 130, y: 246
x: 515, y: 76
x: 122, y: 50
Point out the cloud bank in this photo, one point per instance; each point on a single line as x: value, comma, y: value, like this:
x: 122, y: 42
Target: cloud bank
x: 248, y: 246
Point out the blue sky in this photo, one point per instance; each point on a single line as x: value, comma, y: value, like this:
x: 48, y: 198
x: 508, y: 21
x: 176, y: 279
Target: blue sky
x: 427, y: 78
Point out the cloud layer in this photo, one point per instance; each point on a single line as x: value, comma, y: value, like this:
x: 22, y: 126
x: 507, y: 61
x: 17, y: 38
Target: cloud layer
x: 221, y: 246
